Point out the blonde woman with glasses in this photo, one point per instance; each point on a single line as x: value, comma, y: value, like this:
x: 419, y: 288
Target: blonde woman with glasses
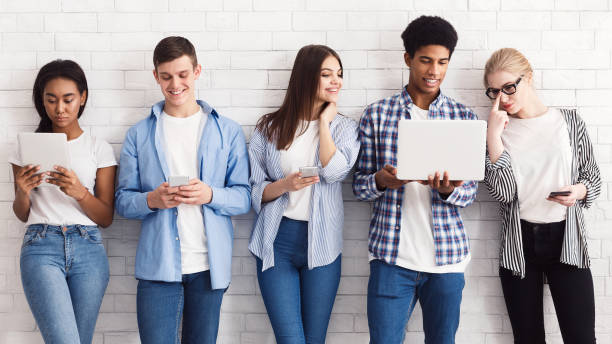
x: 541, y: 168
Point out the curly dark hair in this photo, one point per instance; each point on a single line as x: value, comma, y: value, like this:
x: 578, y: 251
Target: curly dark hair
x: 428, y: 30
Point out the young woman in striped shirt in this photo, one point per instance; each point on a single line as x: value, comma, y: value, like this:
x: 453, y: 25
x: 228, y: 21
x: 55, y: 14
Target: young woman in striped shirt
x: 297, y: 239
x: 541, y: 168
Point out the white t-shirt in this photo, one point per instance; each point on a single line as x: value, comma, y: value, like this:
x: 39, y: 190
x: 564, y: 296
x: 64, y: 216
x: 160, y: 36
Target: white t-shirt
x: 49, y: 205
x: 301, y: 153
x: 182, y: 138
x: 541, y: 157
x: 416, y: 246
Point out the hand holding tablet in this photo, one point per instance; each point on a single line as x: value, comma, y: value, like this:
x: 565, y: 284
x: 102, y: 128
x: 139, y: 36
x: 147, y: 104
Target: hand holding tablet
x: 68, y: 182
x: 44, y: 149
x: 27, y: 178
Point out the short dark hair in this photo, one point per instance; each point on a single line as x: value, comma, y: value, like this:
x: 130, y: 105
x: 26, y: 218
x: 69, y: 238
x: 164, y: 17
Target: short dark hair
x: 428, y: 30
x: 173, y: 47
x: 66, y: 69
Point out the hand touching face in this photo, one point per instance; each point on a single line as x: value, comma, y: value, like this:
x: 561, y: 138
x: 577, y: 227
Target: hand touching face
x: 498, y: 119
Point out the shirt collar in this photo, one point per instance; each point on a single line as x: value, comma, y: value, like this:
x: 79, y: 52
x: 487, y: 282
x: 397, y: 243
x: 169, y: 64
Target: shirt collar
x: 437, y: 103
x: 158, y: 108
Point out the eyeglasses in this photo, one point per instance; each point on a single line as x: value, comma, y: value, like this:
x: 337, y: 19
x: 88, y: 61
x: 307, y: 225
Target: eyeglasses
x: 506, y: 89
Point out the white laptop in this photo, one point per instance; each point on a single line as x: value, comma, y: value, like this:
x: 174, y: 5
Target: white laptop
x: 44, y: 149
x: 455, y: 146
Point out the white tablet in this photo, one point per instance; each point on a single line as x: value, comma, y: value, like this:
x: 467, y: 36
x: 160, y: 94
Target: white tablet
x: 44, y: 149
x: 455, y: 146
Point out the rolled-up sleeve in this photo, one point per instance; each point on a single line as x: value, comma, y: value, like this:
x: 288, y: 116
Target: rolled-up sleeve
x: 364, y: 183
x: 499, y: 178
x: 588, y: 171
x: 347, y: 150
x: 259, y: 177
x: 462, y: 196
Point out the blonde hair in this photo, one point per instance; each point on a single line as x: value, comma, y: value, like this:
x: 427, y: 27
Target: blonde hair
x: 507, y: 60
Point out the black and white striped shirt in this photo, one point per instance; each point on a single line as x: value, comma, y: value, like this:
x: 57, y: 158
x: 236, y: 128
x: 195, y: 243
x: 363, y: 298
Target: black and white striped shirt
x: 501, y: 183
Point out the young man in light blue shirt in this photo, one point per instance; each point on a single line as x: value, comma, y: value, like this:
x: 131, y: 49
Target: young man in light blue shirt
x: 183, y: 261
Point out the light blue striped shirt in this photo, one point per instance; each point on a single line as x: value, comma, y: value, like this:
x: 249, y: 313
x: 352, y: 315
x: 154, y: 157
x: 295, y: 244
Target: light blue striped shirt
x: 327, y: 212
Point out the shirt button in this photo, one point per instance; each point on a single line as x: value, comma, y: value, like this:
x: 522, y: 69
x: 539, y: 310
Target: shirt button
x: 176, y: 238
x: 397, y: 227
x: 398, y: 206
x: 176, y: 213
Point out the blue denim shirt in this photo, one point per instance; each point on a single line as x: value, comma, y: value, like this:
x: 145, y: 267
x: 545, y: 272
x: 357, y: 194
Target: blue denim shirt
x: 222, y: 163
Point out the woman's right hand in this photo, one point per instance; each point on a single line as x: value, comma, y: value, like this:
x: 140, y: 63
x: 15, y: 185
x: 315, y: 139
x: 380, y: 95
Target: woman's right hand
x: 295, y: 182
x: 26, y: 179
x: 498, y: 120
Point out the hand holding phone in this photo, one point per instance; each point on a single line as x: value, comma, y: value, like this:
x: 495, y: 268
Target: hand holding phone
x: 569, y: 196
x: 295, y: 182
x: 559, y: 193
x: 161, y: 197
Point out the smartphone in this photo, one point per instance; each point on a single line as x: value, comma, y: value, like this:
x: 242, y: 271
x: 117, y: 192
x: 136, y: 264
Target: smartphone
x: 178, y: 180
x: 559, y: 193
x: 309, y: 171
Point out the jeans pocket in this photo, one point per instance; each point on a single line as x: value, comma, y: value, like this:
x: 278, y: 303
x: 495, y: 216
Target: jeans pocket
x: 383, y: 279
x: 30, y: 237
x: 94, y: 236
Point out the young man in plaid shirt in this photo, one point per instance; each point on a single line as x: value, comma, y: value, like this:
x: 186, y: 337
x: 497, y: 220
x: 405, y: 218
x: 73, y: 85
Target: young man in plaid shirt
x: 417, y: 242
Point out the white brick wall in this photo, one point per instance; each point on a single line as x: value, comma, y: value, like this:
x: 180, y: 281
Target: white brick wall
x: 247, y: 48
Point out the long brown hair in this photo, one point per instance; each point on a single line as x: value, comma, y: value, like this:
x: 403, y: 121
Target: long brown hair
x: 281, y: 125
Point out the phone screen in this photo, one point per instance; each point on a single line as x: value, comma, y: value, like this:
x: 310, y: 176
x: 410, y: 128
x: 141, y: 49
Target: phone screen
x: 559, y: 193
x: 309, y: 171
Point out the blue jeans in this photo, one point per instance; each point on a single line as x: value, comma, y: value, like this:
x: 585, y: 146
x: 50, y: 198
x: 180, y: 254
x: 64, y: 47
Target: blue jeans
x: 299, y: 301
x: 392, y: 294
x: 160, y: 306
x: 64, y: 272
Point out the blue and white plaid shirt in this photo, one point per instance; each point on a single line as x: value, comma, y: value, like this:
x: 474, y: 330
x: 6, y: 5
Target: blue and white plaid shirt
x: 378, y: 136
